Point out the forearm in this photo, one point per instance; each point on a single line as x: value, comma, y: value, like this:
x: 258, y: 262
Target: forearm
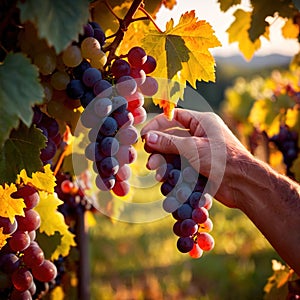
x: 272, y: 202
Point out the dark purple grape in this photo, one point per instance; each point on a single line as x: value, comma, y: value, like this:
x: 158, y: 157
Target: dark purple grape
x: 185, y: 211
x: 75, y: 89
x: 185, y: 244
x: 126, y: 85
x: 102, y: 89
x: 88, y: 30
x: 109, y: 127
x: 124, y: 119
x: 100, y: 36
x: 175, y: 177
x: 119, y: 104
x: 87, y: 98
x: 177, y: 228
x: 166, y: 188
x: 119, y: 68
x: 7, y: 226
x: 137, y: 56
x: 127, y: 135
x: 79, y: 70
x: 150, y: 64
x: 149, y: 87
x: 109, y: 146
x: 91, y: 76
x: 105, y: 183
x: 48, y: 152
x: 188, y: 227
x: 108, y: 166
x: 9, y: 263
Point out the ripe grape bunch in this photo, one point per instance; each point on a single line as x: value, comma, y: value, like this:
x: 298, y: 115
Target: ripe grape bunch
x: 113, y: 98
x: 22, y: 262
x: 183, y: 188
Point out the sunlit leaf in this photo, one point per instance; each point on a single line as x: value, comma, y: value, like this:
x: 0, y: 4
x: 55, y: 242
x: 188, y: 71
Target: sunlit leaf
x: 3, y: 238
x: 290, y: 30
x: 44, y: 181
x: 10, y: 207
x: 53, y: 221
x: 226, y: 4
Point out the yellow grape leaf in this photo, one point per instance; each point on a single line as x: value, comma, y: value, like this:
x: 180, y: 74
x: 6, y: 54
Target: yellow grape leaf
x: 3, y: 238
x: 53, y: 221
x: 226, y: 4
x: 295, y: 168
x: 290, y: 30
x: 293, y: 118
x: 57, y: 293
x: 238, y: 32
x: 184, y: 47
x: 9, y: 207
x: 43, y: 181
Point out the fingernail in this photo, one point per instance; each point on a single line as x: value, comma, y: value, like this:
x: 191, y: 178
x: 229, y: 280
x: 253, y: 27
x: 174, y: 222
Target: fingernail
x: 152, y: 138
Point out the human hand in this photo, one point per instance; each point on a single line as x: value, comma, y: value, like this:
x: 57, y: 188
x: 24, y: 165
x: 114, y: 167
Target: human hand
x: 207, y: 143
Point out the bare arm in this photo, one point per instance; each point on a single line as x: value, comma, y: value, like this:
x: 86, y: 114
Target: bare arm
x: 270, y: 200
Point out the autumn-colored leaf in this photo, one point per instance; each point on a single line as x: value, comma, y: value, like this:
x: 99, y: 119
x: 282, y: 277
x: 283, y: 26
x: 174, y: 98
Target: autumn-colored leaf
x: 238, y: 32
x: 3, y: 238
x: 9, y: 207
x: 290, y: 30
x: 44, y: 181
x: 53, y: 221
x: 226, y: 4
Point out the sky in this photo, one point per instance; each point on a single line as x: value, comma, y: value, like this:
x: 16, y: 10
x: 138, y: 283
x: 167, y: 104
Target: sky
x: 209, y: 10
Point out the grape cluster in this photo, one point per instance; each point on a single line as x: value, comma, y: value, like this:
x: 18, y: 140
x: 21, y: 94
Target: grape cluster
x: 286, y: 141
x: 183, y: 188
x: 22, y: 262
x: 50, y: 129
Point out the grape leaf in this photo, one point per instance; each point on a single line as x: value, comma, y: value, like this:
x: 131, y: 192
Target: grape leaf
x: 263, y: 9
x: 10, y: 207
x: 57, y: 21
x: 43, y: 181
x: 48, y: 243
x: 53, y: 221
x: 3, y: 238
x: 21, y: 151
x: 238, y: 32
x: 226, y: 4
x: 185, y: 48
x: 290, y: 30
x: 19, y: 90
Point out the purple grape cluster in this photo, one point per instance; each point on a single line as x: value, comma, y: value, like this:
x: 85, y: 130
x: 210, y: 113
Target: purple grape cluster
x: 286, y: 141
x: 22, y: 261
x: 183, y: 188
x: 50, y: 130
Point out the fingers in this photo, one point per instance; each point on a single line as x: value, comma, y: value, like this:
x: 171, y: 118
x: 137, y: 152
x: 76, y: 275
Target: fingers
x: 182, y: 119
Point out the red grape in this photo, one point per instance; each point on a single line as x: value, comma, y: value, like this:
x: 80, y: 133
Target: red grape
x: 45, y: 272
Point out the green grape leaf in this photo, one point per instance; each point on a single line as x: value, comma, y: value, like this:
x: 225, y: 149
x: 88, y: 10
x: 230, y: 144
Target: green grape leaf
x: 19, y: 90
x: 21, y: 151
x: 48, y: 243
x: 226, y: 4
x: 263, y: 9
x: 59, y: 22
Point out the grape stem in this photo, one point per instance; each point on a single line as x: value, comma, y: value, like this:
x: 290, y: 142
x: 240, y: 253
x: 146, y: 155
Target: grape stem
x: 149, y: 17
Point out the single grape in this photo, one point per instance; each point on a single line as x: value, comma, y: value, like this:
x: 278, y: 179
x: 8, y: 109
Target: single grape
x: 119, y: 68
x: 98, y: 60
x: 87, y: 98
x: 109, y: 127
x: 185, y: 211
x: 196, y: 252
x: 177, y: 228
x: 123, y: 173
x: 149, y: 87
x: 183, y: 193
x: 9, y: 263
x: 67, y: 186
x: 150, y: 64
x: 188, y: 227
x: 121, y: 188
x: 137, y: 56
x: 126, y: 154
x: 46, y: 62
x: 88, y: 30
x: 102, y: 88
x: 17, y: 295
x: 89, y: 46
x: 91, y: 76
x: 100, y: 36
x: 22, y: 279
x: 140, y: 115
x: 75, y: 89
x: 194, y: 199
x: 109, y: 146
x: 126, y: 85
x: 200, y: 215
x: 138, y: 75
x: 207, y: 226
x: 175, y: 177
x: 45, y: 272
x: 135, y: 100
x: 185, y: 244
x: 105, y: 183
x: 33, y: 256
x: 60, y: 80
x: 166, y: 188
x: 7, y: 226
x: 72, y: 56
x: 108, y: 166
x: 189, y: 174
x: 127, y: 135
x: 31, y: 221
x: 119, y: 104
x: 79, y: 70
x: 51, y: 125
x: 103, y: 107
x: 88, y: 117
x: 124, y: 119
x: 205, y: 241
x: 48, y: 152
x: 19, y: 241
